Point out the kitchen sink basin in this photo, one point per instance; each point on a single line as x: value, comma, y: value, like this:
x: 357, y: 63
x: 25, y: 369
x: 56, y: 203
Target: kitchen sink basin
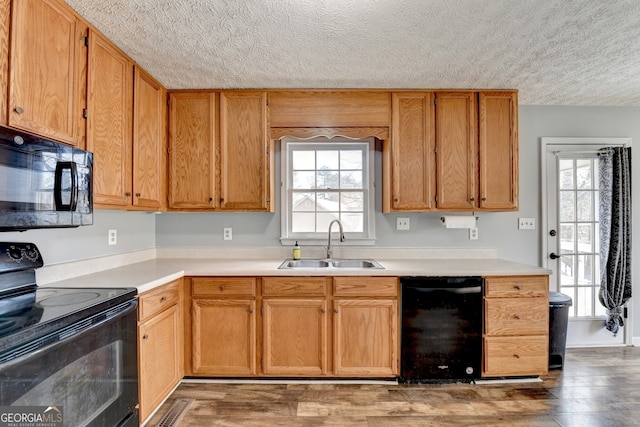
x: 304, y: 263
x: 355, y: 263
x: 329, y: 264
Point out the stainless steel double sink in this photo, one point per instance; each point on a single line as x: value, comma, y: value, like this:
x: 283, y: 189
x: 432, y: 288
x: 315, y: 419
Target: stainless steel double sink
x: 330, y: 263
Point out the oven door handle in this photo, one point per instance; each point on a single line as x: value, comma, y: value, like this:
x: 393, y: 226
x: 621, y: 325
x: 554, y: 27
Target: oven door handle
x: 57, y: 186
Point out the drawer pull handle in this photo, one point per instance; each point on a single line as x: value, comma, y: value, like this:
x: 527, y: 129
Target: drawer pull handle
x: 222, y: 287
x: 163, y: 299
x: 517, y: 287
x: 145, y: 337
x: 517, y: 356
x: 516, y: 316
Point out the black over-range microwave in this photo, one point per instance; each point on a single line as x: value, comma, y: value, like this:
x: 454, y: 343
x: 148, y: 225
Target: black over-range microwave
x: 43, y: 184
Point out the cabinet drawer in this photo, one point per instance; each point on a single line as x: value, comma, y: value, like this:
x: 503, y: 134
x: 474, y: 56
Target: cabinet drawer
x: 505, y: 356
x: 294, y: 286
x: 220, y: 286
x: 516, y: 316
x: 157, y: 300
x: 366, y: 286
x: 517, y: 286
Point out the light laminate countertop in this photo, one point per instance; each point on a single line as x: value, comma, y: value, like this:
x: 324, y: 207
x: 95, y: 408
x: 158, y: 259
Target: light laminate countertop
x: 149, y: 274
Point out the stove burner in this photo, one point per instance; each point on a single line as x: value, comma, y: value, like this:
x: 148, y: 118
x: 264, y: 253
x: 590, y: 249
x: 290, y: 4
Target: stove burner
x: 69, y: 299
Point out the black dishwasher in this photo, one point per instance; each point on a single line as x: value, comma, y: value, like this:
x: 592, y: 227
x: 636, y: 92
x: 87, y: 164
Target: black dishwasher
x: 441, y: 329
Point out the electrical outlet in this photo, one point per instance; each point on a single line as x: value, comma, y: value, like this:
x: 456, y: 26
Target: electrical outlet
x: 403, y: 224
x: 526, y: 223
x: 112, y: 237
x: 227, y: 233
x: 473, y: 233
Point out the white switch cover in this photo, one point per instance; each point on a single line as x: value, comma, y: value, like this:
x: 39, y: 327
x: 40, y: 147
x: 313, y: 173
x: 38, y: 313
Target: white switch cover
x: 112, y: 238
x: 403, y: 224
x: 526, y: 223
x: 227, y: 233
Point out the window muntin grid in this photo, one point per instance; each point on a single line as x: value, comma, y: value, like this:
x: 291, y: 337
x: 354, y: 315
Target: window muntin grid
x: 578, y: 213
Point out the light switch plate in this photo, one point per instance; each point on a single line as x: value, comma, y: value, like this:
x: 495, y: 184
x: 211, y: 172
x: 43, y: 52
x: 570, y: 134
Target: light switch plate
x: 526, y: 223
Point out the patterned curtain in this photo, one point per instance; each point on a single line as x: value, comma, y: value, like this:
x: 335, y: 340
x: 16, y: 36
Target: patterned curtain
x: 615, y: 233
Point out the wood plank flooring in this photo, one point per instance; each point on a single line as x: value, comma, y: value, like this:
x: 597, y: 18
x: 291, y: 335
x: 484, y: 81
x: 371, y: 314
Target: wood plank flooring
x: 597, y: 387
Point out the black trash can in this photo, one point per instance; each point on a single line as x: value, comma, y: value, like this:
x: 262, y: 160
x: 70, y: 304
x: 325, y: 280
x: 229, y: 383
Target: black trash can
x: 558, y: 319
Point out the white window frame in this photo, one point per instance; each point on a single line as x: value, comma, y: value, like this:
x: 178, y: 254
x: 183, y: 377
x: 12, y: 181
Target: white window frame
x: 367, y: 237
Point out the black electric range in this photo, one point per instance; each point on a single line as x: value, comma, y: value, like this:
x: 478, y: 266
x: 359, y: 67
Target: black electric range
x: 29, y: 313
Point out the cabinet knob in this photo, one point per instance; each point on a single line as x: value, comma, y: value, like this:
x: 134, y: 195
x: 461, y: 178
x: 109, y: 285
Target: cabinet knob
x: 222, y: 287
x: 163, y: 299
x: 211, y: 199
x: 516, y: 316
x: 128, y: 194
x: 517, y: 287
x: 473, y: 199
x: 484, y: 199
x: 335, y: 310
x: 145, y: 337
x: 251, y: 311
x: 18, y: 110
x: 137, y: 194
x: 323, y: 311
x: 517, y: 356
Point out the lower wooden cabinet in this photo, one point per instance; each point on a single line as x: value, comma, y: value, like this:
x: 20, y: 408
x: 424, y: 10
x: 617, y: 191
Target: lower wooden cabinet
x: 295, y: 337
x: 160, y: 345
x: 516, y: 326
x: 223, y: 326
x: 305, y: 328
x: 365, y: 337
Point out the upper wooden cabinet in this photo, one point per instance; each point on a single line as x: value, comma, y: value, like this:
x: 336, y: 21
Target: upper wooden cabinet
x: 47, y: 77
x: 149, y: 141
x: 109, y: 124
x: 192, y: 150
x: 498, y: 135
x: 245, y: 152
x: 410, y: 158
x: 475, y: 150
x: 456, y: 150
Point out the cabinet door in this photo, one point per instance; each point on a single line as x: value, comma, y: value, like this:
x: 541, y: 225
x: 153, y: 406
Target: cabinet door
x: 223, y: 337
x: 160, y: 364
x: 412, y: 152
x: 148, y: 141
x: 499, y: 150
x: 365, y: 338
x: 295, y: 337
x: 192, y: 145
x: 46, y: 44
x: 456, y: 150
x: 244, y: 151
x: 109, y: 122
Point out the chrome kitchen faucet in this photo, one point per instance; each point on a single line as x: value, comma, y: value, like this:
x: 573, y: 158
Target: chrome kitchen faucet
x: 329, y: 250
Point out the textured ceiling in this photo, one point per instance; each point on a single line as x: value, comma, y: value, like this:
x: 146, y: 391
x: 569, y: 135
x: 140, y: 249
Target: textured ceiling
x: 560, y: 52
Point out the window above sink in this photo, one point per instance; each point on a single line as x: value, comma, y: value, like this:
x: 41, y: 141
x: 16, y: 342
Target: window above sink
x: 323, y: 180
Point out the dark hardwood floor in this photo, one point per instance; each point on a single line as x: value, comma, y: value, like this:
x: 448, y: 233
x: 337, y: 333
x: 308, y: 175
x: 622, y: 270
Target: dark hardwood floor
x: 597, y: 387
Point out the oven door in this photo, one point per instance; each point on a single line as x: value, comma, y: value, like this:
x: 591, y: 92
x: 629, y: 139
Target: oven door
x: 90, y: 375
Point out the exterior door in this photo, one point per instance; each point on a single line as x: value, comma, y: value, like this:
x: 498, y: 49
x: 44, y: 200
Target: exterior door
x: 571, y: 242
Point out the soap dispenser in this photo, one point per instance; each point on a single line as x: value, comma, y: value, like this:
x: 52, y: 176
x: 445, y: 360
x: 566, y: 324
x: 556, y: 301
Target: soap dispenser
x: 296, y: 251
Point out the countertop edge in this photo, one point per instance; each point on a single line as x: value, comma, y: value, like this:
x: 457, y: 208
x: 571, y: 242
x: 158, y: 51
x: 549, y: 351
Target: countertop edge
x: 147, y: 275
